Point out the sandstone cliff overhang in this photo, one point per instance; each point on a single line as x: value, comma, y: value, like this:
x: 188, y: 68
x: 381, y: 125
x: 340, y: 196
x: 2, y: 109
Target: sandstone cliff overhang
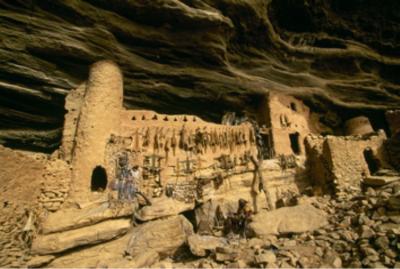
x: 181, y: 56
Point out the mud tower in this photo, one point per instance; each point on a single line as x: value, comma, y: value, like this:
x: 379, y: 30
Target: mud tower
x: 98, y: 119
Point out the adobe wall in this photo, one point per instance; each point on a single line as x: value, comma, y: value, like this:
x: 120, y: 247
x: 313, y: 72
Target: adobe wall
x: 339, y: 161
x: 98, y: 119
x: 73, y: 105
x: 184, y: 147
x: 280, y: 184
x: 288, y: 116
x: 319, y: 164
x: 179, y: 151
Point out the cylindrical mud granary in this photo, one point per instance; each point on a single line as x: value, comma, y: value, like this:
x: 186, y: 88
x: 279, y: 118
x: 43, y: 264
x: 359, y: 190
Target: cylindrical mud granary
x: 358, y: 126
x: 99, y: 118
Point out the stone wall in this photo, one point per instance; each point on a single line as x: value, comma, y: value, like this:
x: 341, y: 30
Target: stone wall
x: 319, y: 164
x: 340, y: 161
x: 56, y: 185
x: 347, y: 157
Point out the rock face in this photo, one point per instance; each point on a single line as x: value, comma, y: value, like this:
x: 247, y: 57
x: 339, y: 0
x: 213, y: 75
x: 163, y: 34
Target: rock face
x: 296, y: 219
x: 182, y: 56
x: 75, y: 218
x: 163, y: 236
x: 162, y: 207
x: 59, y: 242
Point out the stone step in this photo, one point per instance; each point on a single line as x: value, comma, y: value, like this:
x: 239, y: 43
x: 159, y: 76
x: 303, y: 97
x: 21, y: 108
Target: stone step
x: 59, y: 242
x: 387, y: 172
x: 380, y: 180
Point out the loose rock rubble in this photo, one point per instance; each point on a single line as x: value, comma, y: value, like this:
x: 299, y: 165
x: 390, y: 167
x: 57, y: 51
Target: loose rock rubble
x: 363, y: 230
x: 55, y: 186
x: 14, y: 241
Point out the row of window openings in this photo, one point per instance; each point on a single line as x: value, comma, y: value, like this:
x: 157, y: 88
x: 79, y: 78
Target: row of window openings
x: 155, y: 117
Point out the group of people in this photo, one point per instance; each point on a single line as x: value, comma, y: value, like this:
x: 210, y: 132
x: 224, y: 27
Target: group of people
x: 128, y: 178
x: 234, y: 223
x: 126, y: 183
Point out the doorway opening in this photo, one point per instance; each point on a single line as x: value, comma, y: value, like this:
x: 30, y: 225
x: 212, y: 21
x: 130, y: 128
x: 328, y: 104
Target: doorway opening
x: 266, y: 151
x: 99, y: 179
x: 294, y: 143
x: 372, y: 162
x: 293, y: 106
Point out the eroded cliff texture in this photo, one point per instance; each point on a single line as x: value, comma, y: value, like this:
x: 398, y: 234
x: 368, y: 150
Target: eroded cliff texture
x: 201, y: 57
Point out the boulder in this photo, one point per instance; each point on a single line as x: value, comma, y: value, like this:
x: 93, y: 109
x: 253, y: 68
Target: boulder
x: 265, y: 257
x: 163, y: 236
x: 73, y: 218
x: 201, y: 245
x: 238, y: 264
x: 366, y: 232
x: 145, y: 259
x: 394, y: 203
x: 163, y: 207
x: 59, y: 242
x: 206, y: 214
x: 40, y: 261
x: 226, y: 254
x: 296, y: 219
x: 332, y: 259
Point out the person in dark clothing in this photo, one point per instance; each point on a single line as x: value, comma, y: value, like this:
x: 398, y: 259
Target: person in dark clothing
x: 237, y: 222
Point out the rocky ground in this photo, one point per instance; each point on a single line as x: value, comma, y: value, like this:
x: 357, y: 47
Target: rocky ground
x: 363, y: 231
x: 19, y: 189
x: 353, y: 229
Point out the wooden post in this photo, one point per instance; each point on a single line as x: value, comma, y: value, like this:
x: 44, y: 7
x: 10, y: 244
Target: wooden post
x: 257, y: 180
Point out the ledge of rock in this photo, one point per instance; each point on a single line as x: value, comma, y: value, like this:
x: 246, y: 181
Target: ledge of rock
x: 163, y: 207
x: 59, y: 242
x: 380, y: 180
x: 296, y: 219
x: 163, y: 236
x: 73, y: 218
x: 39, y: 261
